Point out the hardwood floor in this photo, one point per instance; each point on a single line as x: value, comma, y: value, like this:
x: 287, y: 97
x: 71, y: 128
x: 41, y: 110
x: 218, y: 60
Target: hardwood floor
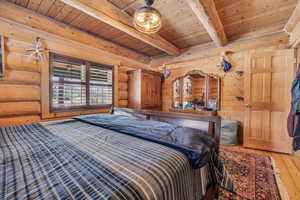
x: 289, y: 168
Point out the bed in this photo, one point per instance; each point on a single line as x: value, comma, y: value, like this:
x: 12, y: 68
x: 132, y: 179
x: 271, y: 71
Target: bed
x: 80, y: 158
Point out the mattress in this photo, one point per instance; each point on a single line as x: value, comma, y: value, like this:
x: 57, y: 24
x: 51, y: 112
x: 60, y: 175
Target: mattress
x: 70, y: 159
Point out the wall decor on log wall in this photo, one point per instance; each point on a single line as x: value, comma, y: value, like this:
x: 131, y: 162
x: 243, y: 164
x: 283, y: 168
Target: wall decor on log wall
x: 1, y: 55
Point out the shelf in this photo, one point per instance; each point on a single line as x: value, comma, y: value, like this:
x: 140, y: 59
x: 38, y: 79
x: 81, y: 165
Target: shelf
x: 199, y: 112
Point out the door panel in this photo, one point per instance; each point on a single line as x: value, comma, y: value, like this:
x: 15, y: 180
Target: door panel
x: 146, y: 90
x: 267, y: 97
x: 151, y: 90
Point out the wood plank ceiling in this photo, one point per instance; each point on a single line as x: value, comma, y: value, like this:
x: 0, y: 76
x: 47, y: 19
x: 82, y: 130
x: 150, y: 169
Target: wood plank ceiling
x: 242, y: 18
x: 180, y: 24
x: 181, y: 27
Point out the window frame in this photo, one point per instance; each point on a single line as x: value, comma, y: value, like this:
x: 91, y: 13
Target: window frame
x: 88, y: 64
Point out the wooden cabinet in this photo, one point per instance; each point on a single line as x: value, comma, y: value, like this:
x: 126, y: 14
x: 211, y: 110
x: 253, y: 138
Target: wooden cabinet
x: 267, y: 99
x: 144, y: 89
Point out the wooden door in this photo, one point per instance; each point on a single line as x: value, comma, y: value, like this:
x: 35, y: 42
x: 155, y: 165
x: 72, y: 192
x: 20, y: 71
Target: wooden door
x: 267, y: 100
x: 151, y: 90
x: 156, y: 92
x: 147, y: 84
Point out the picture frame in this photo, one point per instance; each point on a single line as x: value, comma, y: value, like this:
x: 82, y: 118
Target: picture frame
x: 2, y: 68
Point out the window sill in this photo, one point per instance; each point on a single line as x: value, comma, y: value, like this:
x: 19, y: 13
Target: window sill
x: 79, y: 108
x: 71, y: 113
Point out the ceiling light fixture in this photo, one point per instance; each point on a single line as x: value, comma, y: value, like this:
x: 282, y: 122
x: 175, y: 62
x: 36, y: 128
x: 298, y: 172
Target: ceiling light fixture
x: 147, y: 19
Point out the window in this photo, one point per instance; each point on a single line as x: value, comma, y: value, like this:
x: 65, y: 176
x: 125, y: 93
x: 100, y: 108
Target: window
x: 1, y: 56
x: 79, y: 84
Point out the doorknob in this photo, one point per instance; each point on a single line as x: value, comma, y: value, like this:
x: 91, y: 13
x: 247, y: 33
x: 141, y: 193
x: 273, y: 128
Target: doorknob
x: 248, y: 106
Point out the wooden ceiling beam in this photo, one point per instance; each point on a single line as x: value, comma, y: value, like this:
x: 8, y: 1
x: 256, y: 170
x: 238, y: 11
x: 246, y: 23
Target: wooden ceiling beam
x: 294, y: 39
x: 293, y: 20
x: 62, y: 45
x: 108, y: 13
x: 207, y: 13
x: 292, y: 27
x: 194, y: 54
x: 32, y: 19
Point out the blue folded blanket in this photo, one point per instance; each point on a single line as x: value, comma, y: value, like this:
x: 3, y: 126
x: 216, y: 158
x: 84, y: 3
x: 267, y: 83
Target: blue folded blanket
x: 198, y: 146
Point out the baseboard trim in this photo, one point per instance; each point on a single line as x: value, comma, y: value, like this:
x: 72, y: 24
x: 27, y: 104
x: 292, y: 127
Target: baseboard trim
x: 282, y: 190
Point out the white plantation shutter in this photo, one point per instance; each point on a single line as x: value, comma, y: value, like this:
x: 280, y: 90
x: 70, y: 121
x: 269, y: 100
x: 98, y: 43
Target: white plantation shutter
x: 69, y: 84
x: 79, y: 84
x: 100, y: 86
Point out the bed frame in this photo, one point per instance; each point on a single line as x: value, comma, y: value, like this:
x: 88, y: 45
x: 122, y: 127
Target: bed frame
x: 212, y: 124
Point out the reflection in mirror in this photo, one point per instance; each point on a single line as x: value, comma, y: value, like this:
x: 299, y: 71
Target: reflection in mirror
x: 176, y: 94
x: 187, y: 93
x: 199, y: 90
x: 196, y: 91
x: 213, y: 93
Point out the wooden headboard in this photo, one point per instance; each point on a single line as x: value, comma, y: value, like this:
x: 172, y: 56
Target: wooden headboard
x: 211, y: 124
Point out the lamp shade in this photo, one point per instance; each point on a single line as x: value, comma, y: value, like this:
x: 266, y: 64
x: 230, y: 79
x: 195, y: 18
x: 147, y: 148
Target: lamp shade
x: 147, y: 20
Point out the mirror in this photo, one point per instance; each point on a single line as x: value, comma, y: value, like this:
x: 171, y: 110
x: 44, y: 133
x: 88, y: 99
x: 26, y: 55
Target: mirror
x: 213, y: 93
x: 194, y: 95
x: 176, y: 94
x: 1, y: 56
x: 196, y: 91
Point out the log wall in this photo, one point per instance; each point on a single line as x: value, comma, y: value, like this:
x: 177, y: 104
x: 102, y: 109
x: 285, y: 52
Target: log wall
x: 232, y: 85
x: 21, y: 88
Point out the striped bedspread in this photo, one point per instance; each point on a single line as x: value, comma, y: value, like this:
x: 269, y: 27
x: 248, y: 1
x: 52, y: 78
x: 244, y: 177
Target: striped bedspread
x: 70, y: 159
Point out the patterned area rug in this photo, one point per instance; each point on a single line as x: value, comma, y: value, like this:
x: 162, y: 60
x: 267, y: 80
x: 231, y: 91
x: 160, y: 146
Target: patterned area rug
x: 252, y: 174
